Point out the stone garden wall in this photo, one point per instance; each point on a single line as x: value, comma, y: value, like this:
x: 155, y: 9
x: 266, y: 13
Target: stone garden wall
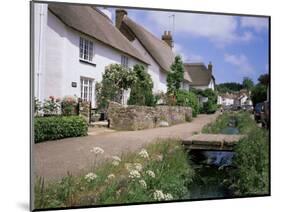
x: 134, y: 117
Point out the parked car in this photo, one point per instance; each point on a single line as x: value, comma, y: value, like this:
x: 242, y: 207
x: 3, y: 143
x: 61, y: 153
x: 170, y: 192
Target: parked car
x: 265, y: 115
x: 257, y: 111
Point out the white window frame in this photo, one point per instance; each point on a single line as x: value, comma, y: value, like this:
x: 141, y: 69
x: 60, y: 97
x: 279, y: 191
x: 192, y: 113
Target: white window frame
x: 86, y: 49
x: 86, y: 89
x: 124, y: 61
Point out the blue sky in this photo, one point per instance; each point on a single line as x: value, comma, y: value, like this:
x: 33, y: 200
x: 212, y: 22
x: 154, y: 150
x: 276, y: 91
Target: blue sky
x: 237, y: 46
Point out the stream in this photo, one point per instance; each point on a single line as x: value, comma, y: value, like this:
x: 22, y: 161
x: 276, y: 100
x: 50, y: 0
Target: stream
x: 211, y: 170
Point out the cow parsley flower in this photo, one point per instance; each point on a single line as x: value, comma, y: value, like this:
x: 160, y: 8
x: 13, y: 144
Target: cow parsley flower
x: 97, y: 150
x: 111, y: 177
x: 150, y: 173
x: 90, y: 176
x: 168, y: 196
x: 138, y: 166
x: 134, y: 174
x: 143, y: 153
x: 143, y: 183
x: 158, y: 195
x: 116, y: 160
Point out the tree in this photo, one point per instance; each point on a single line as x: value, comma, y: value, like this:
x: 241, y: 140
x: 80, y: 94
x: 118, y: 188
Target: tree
x: 258, y: 94
x: 175, y: 76
x: 141, y: 89
x: 248, y: 83
x: 228, y: 87
x: 264, y: 79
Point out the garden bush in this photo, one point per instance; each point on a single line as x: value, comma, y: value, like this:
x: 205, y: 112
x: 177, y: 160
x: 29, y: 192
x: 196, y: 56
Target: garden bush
x: 188, y: 99
x: 58, y: 127
x: 141, y: 89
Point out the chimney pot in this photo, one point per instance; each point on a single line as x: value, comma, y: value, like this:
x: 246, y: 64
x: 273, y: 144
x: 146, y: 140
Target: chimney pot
x: 167, y: 37
x: 119, y: 15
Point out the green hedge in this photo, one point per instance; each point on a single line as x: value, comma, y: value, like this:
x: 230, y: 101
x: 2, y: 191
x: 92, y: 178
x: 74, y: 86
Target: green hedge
x: 189, y: 99
x: 52, y: 128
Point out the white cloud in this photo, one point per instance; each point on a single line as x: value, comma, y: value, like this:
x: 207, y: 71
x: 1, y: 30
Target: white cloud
x: 240, y: 61
x: 219, y: 29
x: 257, y: 23
x: 186, y: 55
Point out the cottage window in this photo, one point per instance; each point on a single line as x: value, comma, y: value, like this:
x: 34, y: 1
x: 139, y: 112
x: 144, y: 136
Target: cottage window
x: 86, y: 49
x: 124, y: 61
x: 86, y: 89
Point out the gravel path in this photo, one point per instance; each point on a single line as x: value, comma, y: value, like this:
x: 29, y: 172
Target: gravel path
x: 54, y: 159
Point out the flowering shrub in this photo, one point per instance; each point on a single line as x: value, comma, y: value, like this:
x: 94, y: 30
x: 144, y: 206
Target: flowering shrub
x: 115, y: 80
x: 69, y: 105
x: 134, y: 174
x: 51, y: 106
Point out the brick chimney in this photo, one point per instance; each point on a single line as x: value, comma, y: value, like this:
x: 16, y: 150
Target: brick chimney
x: 210, y: 67
x: 119, y: 15
x: 167, y: 37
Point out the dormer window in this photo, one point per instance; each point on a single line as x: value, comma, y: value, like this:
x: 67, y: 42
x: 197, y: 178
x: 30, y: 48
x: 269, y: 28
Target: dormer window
x: 124, y: 61
x: 86, y: 50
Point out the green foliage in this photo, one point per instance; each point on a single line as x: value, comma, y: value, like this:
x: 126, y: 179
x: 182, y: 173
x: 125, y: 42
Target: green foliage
x: 141, y: 89
x: 252, y: 154
x: 228, y: 87
x: 259, y: 94
x: 264, y: 79
x: 175, y: 76
x: 252, y: 158
x: 217, y: 126
x: 211, y: 105
x: 188, y: 99
x: 167, y: 160
x: 115, y: 80
x: 248, y: 83
x: 52, y: 128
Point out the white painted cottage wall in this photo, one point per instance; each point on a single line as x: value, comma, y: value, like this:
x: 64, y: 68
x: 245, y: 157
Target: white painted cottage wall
x: 62, y: 65
x: 158, y: 76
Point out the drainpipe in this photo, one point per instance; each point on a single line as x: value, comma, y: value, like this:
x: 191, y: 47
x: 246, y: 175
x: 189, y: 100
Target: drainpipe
x: 39, y: 72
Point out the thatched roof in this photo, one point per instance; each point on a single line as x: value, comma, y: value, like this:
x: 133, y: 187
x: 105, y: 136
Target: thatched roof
x: 199, y: 74
x: 90, y: 21
x: 158, y: 49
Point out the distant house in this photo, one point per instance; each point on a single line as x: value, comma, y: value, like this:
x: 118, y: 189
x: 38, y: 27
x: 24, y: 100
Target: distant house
x: 201, y: 76
x: 226, y: 99
x: 158, y: 52
x: 72, y: 46
x: 243, y: 97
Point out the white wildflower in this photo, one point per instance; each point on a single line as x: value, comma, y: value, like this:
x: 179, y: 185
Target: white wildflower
x: 143, y: 183
x: 143, y: 153
x: 115, y: 163
x: 97, y: 150
x: 138, y: 166
x: 168, y: 196
x: 134, y: 174
x: 111, y: 177
x: 150, y: 173
x: 116, y: 160
x: 90, y: 176
x: 158, y: 195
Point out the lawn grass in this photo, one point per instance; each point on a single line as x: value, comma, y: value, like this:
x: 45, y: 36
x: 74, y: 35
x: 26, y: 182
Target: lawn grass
x: 163, y: 175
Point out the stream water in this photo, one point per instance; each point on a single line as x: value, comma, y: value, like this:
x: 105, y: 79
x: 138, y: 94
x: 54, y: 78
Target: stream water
x: 211, y: 170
